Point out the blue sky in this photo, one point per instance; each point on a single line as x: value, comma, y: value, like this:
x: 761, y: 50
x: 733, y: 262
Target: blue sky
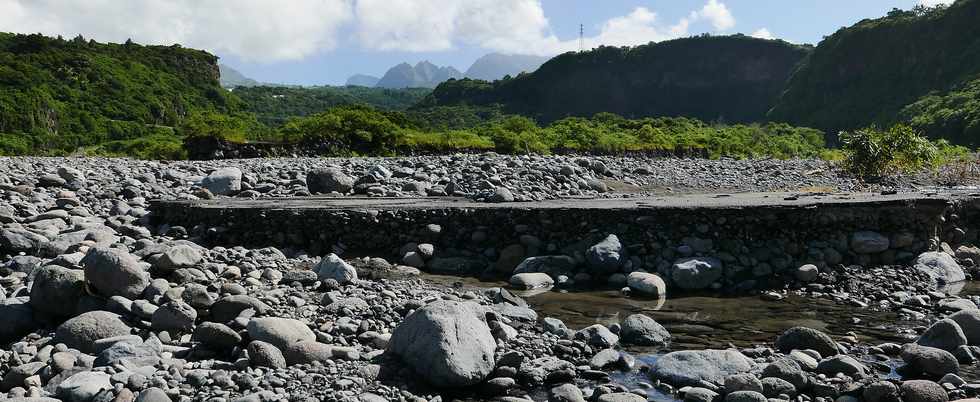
x: 325, y: 41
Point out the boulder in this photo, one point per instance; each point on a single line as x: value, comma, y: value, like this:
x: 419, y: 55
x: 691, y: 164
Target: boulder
x: 868, y: 242
x: 224, y: 181
x: 696, y: 272
x: 216, y: 336
x: 501, y: 194
x: 607, y: 256
x: 647, y: 284
x: 923, y: 391
x: 969, y: 322
x: 18, y: 319
x: 447, y: 343
x: 842, y: 364
x: 264, y: 354
x: 566, y: 393
x: 83, y: 386
x: 881, y: 391
x: 806, y: 338
x: 692, y: 367
x: 280, y: 332
x: 597, y: 335
x: 807, y: 273
x: 329, y: 180
x: 742, y: 382
x: 944, y: 334
x: 553, y: 265
x: 788, y: 370
x: 308, y: 352
x: 174, y: 316
x: 930, y: 361
x: 84, y: 330
x: 532, y: 281
x: 56, y: 290
x: 941, y: 267
x: 334, y: 267
x: 114, y: 272
x: 229, y: 307
x: 177, y: 257
x: 746, y: 396
x: 638, y: 329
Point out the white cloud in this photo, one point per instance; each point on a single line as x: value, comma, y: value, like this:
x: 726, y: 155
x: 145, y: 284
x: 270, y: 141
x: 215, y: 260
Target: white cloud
x: 717, y: 13
x: 763, y: 33
x: 508, y: 26
x: 933, y: 3
x: 251, y: 29
x: 267, y: 30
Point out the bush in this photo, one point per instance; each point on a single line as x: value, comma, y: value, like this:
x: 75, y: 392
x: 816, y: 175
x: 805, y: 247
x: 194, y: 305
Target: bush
x: 874, y: 153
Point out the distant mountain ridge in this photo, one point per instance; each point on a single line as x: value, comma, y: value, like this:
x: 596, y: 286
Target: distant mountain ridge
x: 231, y: 78
x: 423, y: 75
x: 495, y: 66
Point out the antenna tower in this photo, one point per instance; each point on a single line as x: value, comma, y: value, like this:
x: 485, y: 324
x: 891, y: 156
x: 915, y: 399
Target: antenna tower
x: 581, y: 37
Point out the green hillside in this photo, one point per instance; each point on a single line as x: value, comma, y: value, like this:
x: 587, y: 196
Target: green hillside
x: 711, y: 78
x: 920, y: 66
x: 274, y: 105
x: 58, y: 95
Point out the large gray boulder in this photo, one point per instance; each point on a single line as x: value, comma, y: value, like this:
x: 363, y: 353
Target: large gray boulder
x: 329, y: 180
x: 82, y: 331
x: 280, y: 332
x: 83, y: 386
x: 923, y: 391
x: 930, y: 361
x: 944, y: 334
x: 175, y: 316
x: 606, y: 256
x: 334, y: 267
x: 647, y: 284
x: 224, y: 181
x: 177, y: 257
x: 969, y: 322
x: 447, y: 343
x: 638, y: 329
x: 534, y: 280
x: 553, y: 265
x: 696, y: 272
x: 56, y: 290
x: 941, y: 267
x: 114, y: 272
x: 802, y: 338
x: 691, y: 367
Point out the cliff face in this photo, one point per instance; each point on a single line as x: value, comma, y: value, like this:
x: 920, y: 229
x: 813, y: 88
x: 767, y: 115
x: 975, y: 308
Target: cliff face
x: 728, y: 78
x: 901, y: 67
x: 61, y: 94
x: 495, y: 66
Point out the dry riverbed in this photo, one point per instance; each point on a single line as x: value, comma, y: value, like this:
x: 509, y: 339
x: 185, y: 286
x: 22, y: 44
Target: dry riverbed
x: 98, y: 304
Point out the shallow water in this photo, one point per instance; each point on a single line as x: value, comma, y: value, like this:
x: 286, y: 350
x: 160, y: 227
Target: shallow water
x: 711, y: 321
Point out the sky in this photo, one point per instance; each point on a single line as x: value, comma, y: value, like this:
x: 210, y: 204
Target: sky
x: 323, y: 42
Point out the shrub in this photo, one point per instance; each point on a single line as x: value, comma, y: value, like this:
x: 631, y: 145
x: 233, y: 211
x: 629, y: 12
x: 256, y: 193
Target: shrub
x: 873, y: 153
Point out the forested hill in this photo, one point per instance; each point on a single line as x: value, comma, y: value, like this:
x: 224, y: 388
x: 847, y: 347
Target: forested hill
x: 274, y: 105
x: 921, y: 66
x: 712, y: 78
x: 60, y: 94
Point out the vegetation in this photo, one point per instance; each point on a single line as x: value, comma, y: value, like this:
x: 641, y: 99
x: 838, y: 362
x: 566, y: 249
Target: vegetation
x: 273, y: 106
x: 362, y: 130
x: 57, y: 95
x: 874, y: 153
x: 710, y: 78
x: 919, y: 66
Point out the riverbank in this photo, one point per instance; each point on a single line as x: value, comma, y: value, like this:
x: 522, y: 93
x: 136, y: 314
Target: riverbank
x: 103, y: 301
